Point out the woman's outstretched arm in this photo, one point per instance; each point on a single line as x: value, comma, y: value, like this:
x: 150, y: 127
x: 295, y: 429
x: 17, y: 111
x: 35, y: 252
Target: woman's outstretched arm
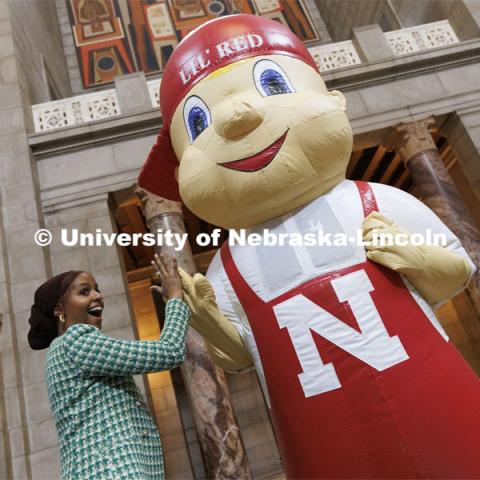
x: 97, y: 354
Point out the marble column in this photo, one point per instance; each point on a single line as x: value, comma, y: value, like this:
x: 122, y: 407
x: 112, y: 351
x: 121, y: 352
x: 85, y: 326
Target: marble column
x: 414, y: 142
x: 218, y: 432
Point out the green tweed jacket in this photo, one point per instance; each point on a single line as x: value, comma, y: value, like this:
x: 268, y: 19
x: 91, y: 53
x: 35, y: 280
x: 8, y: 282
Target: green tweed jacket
x: 104, y: 426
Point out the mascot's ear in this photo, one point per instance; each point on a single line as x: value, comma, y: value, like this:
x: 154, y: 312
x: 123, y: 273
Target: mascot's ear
x: 339, y: 97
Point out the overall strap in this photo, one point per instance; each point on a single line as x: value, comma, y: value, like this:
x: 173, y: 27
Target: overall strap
x: 247, y: 297
x: 367, y: 197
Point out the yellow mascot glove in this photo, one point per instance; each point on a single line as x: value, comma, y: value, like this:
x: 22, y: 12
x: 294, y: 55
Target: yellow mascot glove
x: 436, y: 272
x: 222, y: 339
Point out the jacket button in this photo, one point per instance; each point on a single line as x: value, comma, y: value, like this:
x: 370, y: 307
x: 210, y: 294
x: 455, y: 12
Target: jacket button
x: 144, y: 433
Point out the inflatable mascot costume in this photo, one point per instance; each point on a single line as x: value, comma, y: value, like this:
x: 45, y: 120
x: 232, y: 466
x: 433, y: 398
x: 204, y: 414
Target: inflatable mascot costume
x: 359, y: 376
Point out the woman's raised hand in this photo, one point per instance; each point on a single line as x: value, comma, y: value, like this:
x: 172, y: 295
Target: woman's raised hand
x: 167, y: 271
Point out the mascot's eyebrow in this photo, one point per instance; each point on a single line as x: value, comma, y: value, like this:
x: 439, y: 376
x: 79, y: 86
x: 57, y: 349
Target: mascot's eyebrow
x: 224, y: 69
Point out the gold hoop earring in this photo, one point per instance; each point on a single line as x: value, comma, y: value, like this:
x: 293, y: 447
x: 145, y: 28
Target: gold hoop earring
x: 61, y: 317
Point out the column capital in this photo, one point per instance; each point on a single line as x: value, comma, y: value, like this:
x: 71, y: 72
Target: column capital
x: 153, y: 205
x: 412, y: 138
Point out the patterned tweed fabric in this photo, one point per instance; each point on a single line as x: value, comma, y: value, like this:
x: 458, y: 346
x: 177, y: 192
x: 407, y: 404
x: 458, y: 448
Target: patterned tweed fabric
x: 104, y: 426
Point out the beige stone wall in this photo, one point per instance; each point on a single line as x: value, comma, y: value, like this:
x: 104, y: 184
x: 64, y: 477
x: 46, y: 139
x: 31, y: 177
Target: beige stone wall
x: 38, y: 48
x: 94, y: 168
x: 5, y: 467
x: 23, y: 266
x: 341, y: 17
x: 69, y: 47
x: 462, y: 14
x: 28, y: 43
x: 413, y: 12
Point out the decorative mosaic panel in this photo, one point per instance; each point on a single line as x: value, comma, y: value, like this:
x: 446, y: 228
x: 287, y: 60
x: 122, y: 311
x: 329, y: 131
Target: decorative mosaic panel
x: 116, y: 37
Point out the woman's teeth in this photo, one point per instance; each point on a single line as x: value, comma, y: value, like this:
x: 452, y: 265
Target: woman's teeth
x: 95, y: 311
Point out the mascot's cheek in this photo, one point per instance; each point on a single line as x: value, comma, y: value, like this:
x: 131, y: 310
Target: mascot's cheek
x: 201, y: 186
x: 324, y: 134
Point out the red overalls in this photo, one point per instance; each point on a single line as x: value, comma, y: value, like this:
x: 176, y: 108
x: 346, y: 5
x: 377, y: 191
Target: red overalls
x: 417, y: 419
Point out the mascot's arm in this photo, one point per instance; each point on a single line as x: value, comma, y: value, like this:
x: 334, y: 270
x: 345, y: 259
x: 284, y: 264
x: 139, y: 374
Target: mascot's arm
x: 222, y: 339
x: 436, y: 272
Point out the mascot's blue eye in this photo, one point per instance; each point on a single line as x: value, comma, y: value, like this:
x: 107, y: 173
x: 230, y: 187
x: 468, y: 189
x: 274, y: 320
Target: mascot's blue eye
x: 270, y: 79
x: 273, y: 83
x: 196, y: 116
x: 197, y: 121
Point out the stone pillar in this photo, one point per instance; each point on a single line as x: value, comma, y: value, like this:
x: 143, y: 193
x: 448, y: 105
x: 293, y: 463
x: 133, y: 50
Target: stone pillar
x: 462, y: 130
x: 217, y: 429
x: 415, y: 145
x: 465, y: 19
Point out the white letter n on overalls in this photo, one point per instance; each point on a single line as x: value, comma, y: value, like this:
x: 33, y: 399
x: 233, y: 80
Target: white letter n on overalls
x: 373, y: 345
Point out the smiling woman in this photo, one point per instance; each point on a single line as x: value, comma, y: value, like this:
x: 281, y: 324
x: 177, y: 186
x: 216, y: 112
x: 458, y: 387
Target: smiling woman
x: 104, y: 426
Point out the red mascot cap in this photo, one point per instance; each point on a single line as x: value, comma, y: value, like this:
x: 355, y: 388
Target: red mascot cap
x: 209, y: 47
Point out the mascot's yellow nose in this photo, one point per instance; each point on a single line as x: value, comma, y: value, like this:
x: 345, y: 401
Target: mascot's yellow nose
x: 238, y: 115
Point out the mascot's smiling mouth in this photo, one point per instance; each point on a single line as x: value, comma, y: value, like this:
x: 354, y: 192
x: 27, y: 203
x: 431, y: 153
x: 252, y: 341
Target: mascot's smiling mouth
x: 259, y: 160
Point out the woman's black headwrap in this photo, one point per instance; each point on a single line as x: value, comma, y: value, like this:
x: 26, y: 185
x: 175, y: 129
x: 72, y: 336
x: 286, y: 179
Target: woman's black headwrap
x: 43, y: 323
